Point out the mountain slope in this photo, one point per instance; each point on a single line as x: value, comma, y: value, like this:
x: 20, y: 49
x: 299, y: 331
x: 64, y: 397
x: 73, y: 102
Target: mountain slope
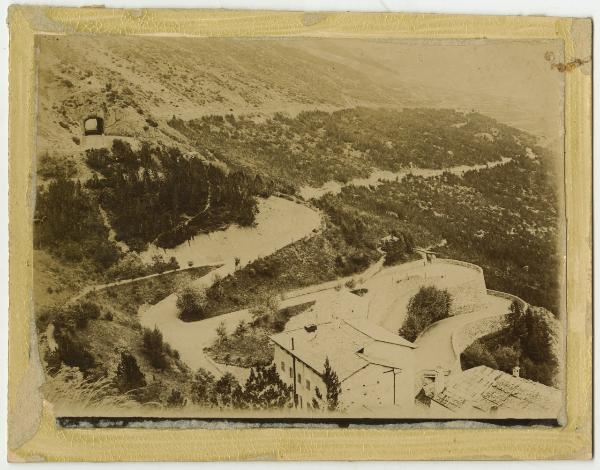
x: 138, y: 83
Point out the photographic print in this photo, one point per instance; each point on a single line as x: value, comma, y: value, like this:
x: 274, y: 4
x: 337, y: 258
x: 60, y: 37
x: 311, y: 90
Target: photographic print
x: 300, y: 231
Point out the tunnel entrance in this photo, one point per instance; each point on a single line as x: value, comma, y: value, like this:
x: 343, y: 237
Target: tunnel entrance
x: 93, y: 125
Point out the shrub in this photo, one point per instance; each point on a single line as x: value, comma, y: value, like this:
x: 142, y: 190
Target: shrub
x: 72, y: 389
x: 53, y: 361
x: 175, y: 399
x: 202, y: 388
x: 477, y: 355
x: 83, y: 312
x: 97, y: 159
x: 73, y: 352
x: 128, y: 376
x: 191, y: 304
x: 427, y: 306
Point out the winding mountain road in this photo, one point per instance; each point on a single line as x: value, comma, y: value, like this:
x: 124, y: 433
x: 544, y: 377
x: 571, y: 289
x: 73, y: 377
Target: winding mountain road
x: 434, y: 345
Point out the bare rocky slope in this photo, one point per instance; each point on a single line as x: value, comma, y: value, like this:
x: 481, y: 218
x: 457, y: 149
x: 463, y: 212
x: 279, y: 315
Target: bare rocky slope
x: 140, y: 83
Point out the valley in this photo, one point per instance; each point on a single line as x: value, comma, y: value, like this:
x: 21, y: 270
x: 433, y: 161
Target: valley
x: 216, y: 199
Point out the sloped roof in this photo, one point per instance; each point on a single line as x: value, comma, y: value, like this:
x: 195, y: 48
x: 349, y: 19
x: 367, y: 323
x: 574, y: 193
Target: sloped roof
x: 331, y: 306
x: 333, y: 340
x: 486, y: 390
x: 378, y: 333
x: 340, y: 341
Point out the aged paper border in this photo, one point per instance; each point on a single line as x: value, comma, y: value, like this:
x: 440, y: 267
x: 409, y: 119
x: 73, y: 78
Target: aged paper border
x: 32, y: 433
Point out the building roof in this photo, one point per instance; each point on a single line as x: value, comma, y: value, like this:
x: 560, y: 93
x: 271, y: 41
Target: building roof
x: 330, y: 306
x: 378, y: 333
x: 343, y: 342
x: 333, y: 340
x: 488, y: 390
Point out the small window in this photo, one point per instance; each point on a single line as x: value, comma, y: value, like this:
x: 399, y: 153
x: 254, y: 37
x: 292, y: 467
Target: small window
x: 299, y: 379
x: 300, y: 398
x: 307, y: 384
x: 283, y: 366
x: 291, y: 373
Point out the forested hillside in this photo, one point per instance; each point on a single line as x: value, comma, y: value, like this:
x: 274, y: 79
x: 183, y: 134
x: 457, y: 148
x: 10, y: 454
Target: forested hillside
x: 504, y: 219
x: 158, y: 195
x: 316, y: 146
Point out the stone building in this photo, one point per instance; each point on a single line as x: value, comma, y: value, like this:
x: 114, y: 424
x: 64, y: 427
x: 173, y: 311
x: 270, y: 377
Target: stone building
x: 375, y: 367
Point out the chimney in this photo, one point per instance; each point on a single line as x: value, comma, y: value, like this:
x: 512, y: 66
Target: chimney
x: 516, y: 371
x: 292, y: 343
x: 439, y: 383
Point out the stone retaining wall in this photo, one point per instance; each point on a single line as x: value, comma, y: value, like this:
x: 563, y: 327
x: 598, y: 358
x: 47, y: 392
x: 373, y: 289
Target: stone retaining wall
x: 504, y: 295
x: 469, y: 333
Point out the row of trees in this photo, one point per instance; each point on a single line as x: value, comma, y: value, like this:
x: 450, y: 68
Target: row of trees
x: 263, y: 388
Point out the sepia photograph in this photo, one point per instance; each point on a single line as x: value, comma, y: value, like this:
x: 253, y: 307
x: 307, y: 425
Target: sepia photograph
x: 300, y: 231
x: 304, y: 227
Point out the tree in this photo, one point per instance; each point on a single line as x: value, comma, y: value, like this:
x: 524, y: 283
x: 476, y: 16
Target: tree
x: 129, y: 376
x: 154, y: 348
x: 317, y: 399
x: 176, y: 399
x: 516, y: 321
x: 267, y: 308
x: 427, y: 306
x: 538, y: 343
x: 191, y: 303
x: 398, y: 248
x: 241, y: 329
x: 221, y: 332
x: 265, y: 390
x: 203, y: 388
x: 332, y: 385
x: 227, y: 390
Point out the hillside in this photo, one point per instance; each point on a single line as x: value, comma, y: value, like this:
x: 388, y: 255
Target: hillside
x: 199, y: 133
x: 140, y: 83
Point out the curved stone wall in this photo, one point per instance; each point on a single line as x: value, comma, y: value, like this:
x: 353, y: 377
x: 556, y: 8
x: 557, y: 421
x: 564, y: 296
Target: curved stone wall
x: 465, y: 336
x: 469, y: 295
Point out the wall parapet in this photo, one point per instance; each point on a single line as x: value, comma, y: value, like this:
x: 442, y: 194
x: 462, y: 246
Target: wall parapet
x: 470, y: 332
x: 505, y: 295
x: 464, y: 264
